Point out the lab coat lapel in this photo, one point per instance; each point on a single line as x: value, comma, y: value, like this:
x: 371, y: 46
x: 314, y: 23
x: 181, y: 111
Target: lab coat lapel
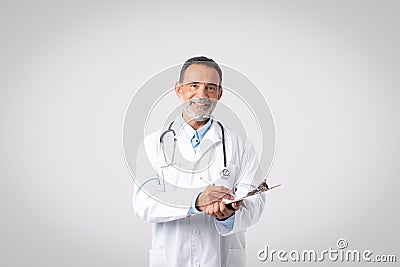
x: 211, y: 138
x: 208, y: 159
x: 184, y: 145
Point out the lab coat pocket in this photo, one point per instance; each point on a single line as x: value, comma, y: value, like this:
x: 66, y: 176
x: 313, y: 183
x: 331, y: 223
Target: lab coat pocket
x: 236, y: 257
x: 157, y: 258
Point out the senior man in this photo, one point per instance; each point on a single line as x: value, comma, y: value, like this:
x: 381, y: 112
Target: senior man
x: 206, y: 155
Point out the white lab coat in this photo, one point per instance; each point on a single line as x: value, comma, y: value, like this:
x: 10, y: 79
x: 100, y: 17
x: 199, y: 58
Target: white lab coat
x: 201, y: 240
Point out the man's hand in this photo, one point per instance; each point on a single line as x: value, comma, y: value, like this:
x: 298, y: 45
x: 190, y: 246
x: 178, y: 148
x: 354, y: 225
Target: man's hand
x: 220, y: 210
x: 210, y: 202
x: 212, y: 194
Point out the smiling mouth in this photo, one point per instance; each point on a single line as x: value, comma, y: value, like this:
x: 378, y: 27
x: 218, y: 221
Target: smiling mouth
x: 200, y: 104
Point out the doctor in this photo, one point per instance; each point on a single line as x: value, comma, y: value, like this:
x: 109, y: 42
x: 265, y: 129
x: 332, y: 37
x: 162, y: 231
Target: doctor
x: 204, y: 231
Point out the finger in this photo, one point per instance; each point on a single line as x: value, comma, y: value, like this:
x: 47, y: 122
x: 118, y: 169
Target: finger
x: 217, y: 212
x: 214, y: 193
x: 208, y: 210
x: 215, y: 198
x: 220, y: 195
x: 236, y: 205
x: 216, y: 190
x: 205, y: 198
x: 208, y: 201
x: 229, y: 197
x: 216, y: 208
x: 224, y: 209
x: 211, y: 210
x: 220, y: 188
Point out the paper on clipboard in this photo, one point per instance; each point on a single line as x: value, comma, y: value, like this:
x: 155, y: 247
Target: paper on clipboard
x: 257, y: 191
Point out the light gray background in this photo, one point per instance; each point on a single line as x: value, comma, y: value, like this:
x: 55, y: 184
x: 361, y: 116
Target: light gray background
x: 68, y: 69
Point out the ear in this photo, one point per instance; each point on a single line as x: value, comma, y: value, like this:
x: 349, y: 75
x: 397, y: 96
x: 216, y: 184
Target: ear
x: 220, y: 93
x: 178, y: 89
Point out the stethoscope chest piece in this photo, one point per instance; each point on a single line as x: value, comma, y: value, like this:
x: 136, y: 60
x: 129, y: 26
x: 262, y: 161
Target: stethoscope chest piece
x: 224, y: 173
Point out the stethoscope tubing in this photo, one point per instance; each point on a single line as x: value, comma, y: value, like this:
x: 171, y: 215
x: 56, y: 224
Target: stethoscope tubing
x: 170, y: 129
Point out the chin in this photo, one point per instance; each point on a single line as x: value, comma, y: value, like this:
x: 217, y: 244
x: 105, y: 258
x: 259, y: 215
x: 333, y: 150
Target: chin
x: 197, y: 115
x: 201, y: 118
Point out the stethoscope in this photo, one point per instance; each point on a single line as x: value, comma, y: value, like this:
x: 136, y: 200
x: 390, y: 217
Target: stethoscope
x: 224, y: 173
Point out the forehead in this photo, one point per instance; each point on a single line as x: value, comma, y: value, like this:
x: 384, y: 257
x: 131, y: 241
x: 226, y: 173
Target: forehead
x: 201, y: 73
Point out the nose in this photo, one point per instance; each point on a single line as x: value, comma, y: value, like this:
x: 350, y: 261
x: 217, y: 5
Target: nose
x: 201, y: 91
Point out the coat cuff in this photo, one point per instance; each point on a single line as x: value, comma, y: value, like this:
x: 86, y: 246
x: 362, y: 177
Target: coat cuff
x: 225, y: 227
x: 192, y: 209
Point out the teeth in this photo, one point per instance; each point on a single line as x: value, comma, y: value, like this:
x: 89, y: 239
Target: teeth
x: 199, y: 103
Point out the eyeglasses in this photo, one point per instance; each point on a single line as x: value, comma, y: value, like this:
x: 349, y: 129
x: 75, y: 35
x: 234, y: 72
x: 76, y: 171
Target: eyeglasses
x: 209, y: 87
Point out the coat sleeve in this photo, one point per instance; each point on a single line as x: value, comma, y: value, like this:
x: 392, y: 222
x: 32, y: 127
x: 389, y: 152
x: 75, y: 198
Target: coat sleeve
x: 149, y: 208
x: 251, y: 208
x: 150, y: 200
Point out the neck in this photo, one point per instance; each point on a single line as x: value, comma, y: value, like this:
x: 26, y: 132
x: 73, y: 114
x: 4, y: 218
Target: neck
x: 194, y: 124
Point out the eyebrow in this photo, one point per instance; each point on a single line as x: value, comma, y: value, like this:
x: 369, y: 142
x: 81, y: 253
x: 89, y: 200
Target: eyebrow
x: 202, y: 82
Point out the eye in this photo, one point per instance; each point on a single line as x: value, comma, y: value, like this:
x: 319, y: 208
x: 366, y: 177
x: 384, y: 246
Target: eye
x: 212, y: 88
x: 192, y: 85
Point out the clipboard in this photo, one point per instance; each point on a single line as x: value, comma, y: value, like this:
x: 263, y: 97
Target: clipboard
x: 263, y: 187
x: 256, y: 191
